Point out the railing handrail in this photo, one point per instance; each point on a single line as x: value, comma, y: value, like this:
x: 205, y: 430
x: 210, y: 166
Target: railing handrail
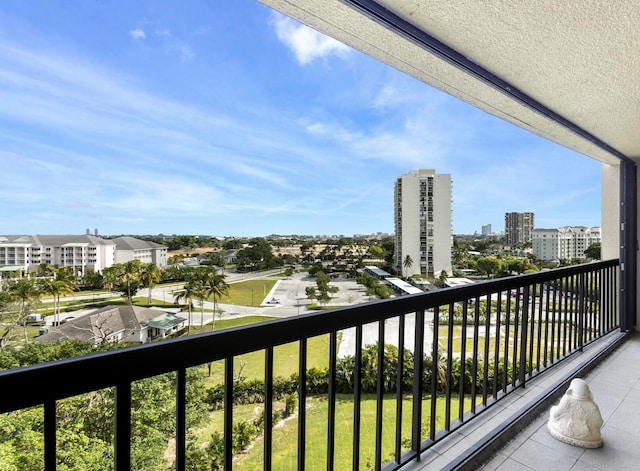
x: 64, y: 378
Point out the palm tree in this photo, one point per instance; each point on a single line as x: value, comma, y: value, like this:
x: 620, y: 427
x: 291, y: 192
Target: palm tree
x: 217, y: 287
x: 57, y: 288
x: 188, y: 293
x: 25, y: 291
x: 407, y: 263
x: 150, y: 275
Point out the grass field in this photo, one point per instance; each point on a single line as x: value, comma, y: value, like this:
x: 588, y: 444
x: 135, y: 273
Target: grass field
x: 285, y: 435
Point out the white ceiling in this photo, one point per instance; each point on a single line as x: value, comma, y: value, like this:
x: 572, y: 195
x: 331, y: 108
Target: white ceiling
x: 579, y: 59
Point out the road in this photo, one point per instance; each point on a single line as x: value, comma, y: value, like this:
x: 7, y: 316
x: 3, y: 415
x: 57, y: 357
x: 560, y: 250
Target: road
x: 290, y: 292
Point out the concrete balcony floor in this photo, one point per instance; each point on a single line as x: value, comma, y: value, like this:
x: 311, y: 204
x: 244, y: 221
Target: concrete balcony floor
x: 615, y: 385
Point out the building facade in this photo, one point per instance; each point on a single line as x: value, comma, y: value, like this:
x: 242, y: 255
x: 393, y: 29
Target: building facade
x: 422, y: 217
x: 79, y: 252
x: 518, y: 228
x: 130, y: 248
x: 568, y: 242
x: 82, y: 253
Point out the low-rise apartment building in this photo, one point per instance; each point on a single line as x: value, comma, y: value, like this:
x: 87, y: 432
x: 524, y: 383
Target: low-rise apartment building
x: 130, y: 248
x: 568, y: 242
x: 23, y: 253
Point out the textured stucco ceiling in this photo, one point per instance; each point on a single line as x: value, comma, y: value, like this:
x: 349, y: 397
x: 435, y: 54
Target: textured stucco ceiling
x: 579, y: 59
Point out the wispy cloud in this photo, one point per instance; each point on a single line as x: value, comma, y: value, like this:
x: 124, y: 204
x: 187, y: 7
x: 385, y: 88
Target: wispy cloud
x: 307, y: 44
x: 171, y: 137
x: 137, y: 34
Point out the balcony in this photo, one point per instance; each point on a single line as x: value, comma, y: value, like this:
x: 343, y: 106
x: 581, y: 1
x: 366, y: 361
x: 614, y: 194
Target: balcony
x: 490, y: 355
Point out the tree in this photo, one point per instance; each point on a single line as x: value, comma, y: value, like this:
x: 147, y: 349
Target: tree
x: 125, y: 278
x: 593, y: 252
x: 216, y: 287
x: 310, y: 291
x: 488, y: 265
x: 57, y: 288
x: 442, y: 278
x: 407, y: 263
x: 188, y: 293
x: 150, y: 274
x: 25, y: 291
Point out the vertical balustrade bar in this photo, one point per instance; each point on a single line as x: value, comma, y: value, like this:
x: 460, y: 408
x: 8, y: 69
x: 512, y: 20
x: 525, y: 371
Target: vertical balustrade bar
x: 122, y: 438
x: 507, y: 338
x: 564, y: 313
x: 595, y: 331
x: 399, y: 387
x: 582, y: 311
x: 487, y: 340
x: 523, y: 322
x: 331, y: 399
x: 516, y: 345
x: 50, y: 441
x: 528, y: 303
x: 575, y: 310
x: 228, y: 413
x: 449, y: 381
x: 416, y: 412
x: 496, y: 355
x: 606, y: 301
x: 268, y: 409
x: 181, y: 419
x: 435, y: 358
x: 544, y: 305
x: 463, y: 357
x: 357, y: 397
x: 557, y: 322
x: 536, y: 313
x: 474, y: 363
x: 302, y: 404
x: 380, y: 385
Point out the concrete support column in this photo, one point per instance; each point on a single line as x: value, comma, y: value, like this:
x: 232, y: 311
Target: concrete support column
x: 619, y: 233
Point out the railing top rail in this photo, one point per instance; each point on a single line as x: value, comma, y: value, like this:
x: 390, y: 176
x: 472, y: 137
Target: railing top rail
x: 32, y: 385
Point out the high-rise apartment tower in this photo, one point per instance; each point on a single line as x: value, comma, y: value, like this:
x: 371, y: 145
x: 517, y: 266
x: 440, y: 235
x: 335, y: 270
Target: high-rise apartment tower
x: 424, y: 239
x: 518, y: 228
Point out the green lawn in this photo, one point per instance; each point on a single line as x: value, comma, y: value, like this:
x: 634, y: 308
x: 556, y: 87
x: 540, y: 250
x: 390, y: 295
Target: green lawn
x: 249, y: 292
x: 285, y: 435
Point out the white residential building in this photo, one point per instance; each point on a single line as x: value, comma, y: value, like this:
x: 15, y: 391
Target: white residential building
x: 23, y: 253
x: 422, y: 216
x: 130, y: 248
x: 81, y: 252
x: 568, y: 242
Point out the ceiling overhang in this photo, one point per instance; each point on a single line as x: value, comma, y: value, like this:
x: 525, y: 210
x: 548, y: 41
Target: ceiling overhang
x: 561, y: 71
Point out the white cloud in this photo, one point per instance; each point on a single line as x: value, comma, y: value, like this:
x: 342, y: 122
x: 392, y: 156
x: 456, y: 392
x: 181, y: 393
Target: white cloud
x: 306, y: 44
x: 186, y: 54
x: 137, y: 34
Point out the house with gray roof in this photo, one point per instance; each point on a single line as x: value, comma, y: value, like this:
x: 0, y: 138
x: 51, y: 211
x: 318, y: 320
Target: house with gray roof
x: 130, y: 248
x: 131, y: 324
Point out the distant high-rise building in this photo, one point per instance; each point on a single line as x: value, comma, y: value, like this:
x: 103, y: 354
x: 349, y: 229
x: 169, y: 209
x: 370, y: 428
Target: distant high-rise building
x: 486, y: 230
x: 518, y: 228
x: 422, y: 216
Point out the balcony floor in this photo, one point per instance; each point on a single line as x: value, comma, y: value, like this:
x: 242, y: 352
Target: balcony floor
x: 615, y: 385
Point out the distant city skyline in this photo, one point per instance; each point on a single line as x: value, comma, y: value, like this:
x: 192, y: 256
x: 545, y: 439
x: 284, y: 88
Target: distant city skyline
x: 230, y: 119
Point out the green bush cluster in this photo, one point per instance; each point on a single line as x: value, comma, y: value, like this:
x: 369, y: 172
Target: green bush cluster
x: 244, y: 432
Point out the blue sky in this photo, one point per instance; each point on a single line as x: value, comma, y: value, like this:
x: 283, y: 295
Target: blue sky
x: 228, y: 119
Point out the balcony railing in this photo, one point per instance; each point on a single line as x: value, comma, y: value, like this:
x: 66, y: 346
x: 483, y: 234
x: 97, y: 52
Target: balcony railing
x: 472, y: 346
